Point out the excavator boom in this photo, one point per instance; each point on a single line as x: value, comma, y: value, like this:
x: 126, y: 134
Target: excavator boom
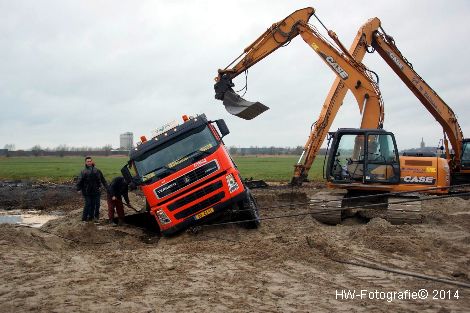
x: 332, y: 103
x: 354, y: 75
x: 272, y: 39
x: 372, y: 36
x: 385, y: 46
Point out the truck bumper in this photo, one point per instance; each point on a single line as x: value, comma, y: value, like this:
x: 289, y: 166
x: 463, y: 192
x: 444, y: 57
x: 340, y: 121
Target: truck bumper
x: 219, y: 209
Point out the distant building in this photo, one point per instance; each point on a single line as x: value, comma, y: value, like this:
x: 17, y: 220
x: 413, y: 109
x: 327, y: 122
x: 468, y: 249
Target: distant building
x: 3, y: 152
x: 126, y: 141
x: 422, y: 151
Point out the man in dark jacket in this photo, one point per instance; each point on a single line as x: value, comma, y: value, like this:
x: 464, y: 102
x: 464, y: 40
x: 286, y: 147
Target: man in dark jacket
x: 89, y: 183
x: 118, y: 189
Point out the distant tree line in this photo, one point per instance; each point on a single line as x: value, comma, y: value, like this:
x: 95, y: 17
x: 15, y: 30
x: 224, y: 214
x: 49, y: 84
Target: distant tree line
x: 61, y: 150
x: 254, y: 150
x: 64, y: 150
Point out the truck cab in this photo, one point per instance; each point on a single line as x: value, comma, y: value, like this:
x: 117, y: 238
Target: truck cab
x: 188, y: 176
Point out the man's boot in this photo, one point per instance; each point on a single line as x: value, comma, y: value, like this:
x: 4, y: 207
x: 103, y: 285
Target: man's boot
x: 120, y: 221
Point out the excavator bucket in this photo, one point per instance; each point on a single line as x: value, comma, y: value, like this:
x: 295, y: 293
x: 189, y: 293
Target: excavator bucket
x: 236, y: 105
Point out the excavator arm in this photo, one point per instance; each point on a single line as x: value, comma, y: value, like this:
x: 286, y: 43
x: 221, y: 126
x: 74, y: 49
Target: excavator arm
x: 354, y: 75
x: 332, y: 102
x: 371, y: 36
x: 385, y: 46
x: 275, y: 37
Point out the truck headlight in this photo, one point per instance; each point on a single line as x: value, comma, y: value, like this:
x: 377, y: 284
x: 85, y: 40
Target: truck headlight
x: 162, y: 217
x: 231, y: 182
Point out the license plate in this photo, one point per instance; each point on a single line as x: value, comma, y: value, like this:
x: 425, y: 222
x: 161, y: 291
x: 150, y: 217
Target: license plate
x: 204, y: 213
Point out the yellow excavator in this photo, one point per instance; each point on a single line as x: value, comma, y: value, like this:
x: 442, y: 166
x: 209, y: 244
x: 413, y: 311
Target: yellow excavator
x: 371, y: 37
x: 352, y: 75
x: 365, y: 159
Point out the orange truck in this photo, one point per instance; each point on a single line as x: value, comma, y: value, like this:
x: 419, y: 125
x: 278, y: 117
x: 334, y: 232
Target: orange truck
x: 188, y: 177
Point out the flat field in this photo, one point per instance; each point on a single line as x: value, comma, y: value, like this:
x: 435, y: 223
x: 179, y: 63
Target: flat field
x: 59, y: 169
x: 63, y: 169
x: 275, y: 168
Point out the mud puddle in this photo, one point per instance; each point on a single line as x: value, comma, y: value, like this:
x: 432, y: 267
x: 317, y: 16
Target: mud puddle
x: 29, y: 218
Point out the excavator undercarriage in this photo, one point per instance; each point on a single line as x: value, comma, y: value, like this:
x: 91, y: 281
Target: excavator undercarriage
x: 333, y: 207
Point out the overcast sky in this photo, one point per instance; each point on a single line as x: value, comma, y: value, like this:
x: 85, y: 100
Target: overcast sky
x: 82, y: 72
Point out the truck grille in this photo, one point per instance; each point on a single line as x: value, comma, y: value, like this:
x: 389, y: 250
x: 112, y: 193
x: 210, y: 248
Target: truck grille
x: 195, y: 195
x: 186, y: 179
x: 201, y: 205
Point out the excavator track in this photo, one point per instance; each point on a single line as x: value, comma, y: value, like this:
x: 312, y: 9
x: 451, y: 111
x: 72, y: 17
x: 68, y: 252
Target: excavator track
x: 331, y: 208
x: 397, y: 212
x: 326, y: 207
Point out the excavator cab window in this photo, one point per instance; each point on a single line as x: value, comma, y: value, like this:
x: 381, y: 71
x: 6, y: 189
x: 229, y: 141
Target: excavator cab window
x: 382, y: 159
x: 364, y: 156
x: 466, y: 154
x: 349, y: 158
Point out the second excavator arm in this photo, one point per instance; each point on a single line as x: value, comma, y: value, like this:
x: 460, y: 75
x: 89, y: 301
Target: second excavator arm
x: 332, y: 102
x: 385, y: 46
x: 354, y: 75
x: 371, y: 37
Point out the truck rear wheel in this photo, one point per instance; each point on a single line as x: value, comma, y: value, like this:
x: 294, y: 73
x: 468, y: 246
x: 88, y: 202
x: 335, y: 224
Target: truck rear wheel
x: 249, y: 212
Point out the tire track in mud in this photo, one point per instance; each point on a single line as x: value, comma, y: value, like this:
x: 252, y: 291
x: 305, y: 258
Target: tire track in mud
x: 284, y: 266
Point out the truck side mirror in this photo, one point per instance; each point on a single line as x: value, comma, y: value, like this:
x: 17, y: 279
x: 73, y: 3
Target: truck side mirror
x: 127, y: 174
x: 222, y: 128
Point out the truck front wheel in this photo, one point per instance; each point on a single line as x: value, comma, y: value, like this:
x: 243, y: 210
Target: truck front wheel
x: 249, y: 212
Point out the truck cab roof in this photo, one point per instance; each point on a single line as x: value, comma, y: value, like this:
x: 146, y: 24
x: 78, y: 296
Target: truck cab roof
x: 168, y: 135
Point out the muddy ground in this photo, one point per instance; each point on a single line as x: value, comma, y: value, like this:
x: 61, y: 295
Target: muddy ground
x: 291, y: 264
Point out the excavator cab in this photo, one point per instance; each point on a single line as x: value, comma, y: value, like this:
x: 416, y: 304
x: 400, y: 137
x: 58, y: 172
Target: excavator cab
x: 462, y: 176
x: 363, y: 156
x: 466, y: 154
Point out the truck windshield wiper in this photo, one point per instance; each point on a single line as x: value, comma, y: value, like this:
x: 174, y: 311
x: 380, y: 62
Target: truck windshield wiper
x: 193, y: 154
x: 206, y: 152
x: 156, y: 171
x: 166, y: 168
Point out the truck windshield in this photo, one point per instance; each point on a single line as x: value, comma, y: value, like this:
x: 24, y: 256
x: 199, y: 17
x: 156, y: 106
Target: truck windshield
x: 164, y: 159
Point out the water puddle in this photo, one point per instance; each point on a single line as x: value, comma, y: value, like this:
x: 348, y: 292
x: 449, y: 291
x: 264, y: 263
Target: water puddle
x: 29, y: 218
